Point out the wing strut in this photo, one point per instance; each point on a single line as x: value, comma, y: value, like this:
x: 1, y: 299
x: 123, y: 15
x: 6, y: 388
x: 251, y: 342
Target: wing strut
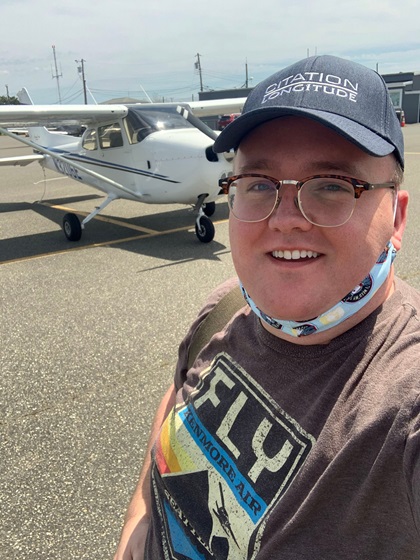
x: 195, y: 121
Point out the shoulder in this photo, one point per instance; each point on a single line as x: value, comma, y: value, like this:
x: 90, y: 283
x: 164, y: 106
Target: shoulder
x: 398, y: 314
x: 406, y: 288
x: 405, y: 311
x: 218, y: 293
x: 410, y: 296
x: 220, y: 306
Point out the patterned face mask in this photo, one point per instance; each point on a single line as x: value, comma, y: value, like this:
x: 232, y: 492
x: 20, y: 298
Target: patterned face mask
x: 344, y: 309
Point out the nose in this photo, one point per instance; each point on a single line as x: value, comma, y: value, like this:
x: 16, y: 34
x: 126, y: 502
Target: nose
x: 286, y: 215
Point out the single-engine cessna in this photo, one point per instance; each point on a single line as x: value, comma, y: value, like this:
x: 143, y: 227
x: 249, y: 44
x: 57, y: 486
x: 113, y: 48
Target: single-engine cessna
x: 152, y: 153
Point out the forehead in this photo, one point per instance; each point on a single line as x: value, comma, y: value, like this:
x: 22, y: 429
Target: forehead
x: 303, y: 147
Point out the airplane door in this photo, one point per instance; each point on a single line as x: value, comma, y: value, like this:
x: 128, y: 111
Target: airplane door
x: 114, y: 149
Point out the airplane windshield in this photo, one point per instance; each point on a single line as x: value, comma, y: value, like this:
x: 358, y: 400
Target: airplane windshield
x: 143, y: 120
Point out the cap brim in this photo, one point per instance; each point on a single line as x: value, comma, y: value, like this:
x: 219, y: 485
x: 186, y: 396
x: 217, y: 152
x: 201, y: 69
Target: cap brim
x: 366, y: 139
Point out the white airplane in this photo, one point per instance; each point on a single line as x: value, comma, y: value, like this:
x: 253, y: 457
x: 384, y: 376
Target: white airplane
x: 152, y: 153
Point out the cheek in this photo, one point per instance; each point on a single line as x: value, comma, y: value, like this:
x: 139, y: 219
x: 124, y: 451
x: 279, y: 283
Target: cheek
x: 235, y: 244
x: 243, y: 243
x: 372, y: 223
x: 237, y: 232
x: 358, y: 246
x: 381, y: 226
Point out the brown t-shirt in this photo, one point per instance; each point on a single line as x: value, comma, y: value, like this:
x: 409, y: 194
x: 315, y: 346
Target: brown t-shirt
x: 282, y: 451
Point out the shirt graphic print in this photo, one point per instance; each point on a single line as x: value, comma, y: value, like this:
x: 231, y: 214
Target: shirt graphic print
x: 223, y: 460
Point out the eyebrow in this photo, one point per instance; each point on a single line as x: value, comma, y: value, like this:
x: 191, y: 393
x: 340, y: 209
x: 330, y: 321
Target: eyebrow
x: 317, y: 167
x: 249, y: 167
x: 339, y: 166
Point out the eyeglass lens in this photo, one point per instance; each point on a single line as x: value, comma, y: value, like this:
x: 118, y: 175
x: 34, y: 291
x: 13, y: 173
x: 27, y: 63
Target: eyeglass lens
x: 323, y: 201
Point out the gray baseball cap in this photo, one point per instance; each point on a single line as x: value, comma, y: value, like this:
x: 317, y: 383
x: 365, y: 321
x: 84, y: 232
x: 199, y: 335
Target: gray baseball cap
x: 347, y: 97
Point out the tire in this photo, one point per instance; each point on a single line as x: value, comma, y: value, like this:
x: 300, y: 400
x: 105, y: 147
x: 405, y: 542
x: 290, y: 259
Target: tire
x: 72, y: 227
x: 209, y: 209
x: 206, y: 231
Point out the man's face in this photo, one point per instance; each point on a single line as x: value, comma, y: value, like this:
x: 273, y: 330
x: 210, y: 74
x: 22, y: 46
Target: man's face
x: 300, y: 289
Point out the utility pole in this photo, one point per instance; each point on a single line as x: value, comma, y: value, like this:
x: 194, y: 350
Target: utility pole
x: 57, y: 76
x: 246, y: 73
x: 198, y: 67
x: 81, y: 70
x: 7, y: 92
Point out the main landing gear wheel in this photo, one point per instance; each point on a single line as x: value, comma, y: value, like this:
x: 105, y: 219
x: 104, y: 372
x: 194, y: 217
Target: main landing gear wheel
x: 205, y: 231
x: 209, y: 208
x: 72, y: 227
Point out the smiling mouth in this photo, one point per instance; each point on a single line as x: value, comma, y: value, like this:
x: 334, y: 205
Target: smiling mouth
x: 294, y: 255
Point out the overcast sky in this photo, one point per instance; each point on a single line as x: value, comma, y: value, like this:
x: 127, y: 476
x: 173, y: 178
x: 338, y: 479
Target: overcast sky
x: 128, y: 45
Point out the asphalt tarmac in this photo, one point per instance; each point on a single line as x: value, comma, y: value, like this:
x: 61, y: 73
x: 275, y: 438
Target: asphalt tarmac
x: 89, y: 336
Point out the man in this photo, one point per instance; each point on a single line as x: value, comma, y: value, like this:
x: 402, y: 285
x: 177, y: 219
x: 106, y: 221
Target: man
x: 296, y: 432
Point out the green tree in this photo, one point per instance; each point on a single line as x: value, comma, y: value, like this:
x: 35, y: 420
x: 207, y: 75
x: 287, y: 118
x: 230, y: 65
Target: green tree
x: 4, y: 100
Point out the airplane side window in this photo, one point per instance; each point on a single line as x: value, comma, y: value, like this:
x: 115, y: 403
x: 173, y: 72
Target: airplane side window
x: 136, y: 127
x: 90, y: 140
x: 110, y: 136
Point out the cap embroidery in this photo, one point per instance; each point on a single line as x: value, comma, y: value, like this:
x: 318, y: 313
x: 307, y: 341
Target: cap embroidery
x: 313, y: 81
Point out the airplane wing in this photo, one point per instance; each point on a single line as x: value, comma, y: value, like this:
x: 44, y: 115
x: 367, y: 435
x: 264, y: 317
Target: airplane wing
x: 213, y: 107
x: 47, y: 115
x: 55, y: 115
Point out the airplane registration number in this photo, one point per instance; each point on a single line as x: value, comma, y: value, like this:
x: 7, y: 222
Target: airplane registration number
x: 67, y: 169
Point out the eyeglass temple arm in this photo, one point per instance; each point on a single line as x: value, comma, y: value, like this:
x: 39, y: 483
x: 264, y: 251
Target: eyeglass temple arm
x: 358, y: 189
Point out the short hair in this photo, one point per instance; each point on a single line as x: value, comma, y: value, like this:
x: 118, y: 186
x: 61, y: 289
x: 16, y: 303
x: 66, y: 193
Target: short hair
x: 398, y: 176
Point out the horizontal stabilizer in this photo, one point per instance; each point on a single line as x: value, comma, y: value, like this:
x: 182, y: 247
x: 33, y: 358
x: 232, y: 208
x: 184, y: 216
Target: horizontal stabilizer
x: 21, y: 160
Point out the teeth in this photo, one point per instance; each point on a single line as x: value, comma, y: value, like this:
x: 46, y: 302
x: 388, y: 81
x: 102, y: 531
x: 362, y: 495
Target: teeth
x: 294, y: 255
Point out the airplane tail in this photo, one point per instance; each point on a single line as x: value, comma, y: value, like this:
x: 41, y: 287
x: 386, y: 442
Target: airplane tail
x: 40, y: 135
x: 24, y: 97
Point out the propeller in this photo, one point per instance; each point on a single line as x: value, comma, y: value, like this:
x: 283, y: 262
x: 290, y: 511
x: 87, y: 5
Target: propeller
x: 186, y: 112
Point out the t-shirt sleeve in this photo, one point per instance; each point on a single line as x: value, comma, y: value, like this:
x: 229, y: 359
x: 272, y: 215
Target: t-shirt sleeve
x: 184, y: 347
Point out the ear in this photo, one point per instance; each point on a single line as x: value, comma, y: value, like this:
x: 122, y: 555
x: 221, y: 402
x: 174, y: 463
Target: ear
x: 400, y: 219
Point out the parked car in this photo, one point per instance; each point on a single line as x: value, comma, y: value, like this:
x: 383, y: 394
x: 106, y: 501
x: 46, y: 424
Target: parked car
x: 401, y: 116
x: 225, y: 120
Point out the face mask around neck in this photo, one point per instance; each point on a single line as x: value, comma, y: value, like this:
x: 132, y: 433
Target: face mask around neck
x: 345, y: 308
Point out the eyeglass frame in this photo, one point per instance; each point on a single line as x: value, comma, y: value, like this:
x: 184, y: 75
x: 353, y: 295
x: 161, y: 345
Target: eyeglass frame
x: 358, y: 185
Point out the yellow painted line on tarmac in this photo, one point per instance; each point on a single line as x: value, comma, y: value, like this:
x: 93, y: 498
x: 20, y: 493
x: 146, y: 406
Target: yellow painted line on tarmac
x: 102, y: 218
x: 103, y: 244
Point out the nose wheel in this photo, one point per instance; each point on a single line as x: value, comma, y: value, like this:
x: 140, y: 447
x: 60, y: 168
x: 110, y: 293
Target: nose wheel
x: 209, y: 208
x: 204, y: 229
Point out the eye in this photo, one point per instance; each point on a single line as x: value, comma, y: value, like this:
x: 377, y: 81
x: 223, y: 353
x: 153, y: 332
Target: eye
x: 336, y: 187
x: 259, y: 185
x: 330, y: 188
